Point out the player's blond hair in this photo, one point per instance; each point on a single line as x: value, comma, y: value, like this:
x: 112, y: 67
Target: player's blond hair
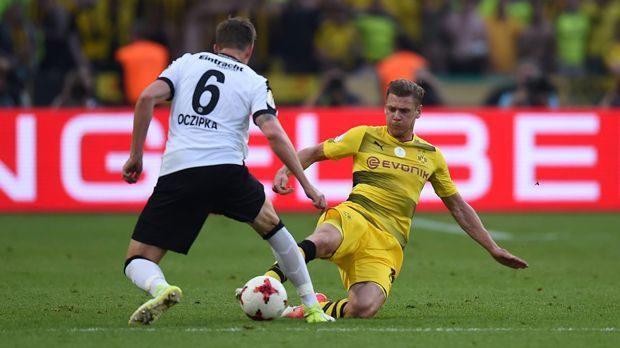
x: 405, y: 88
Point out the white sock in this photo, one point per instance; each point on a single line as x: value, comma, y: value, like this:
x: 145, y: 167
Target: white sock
x: 145, y: 274
x: 293, y: 265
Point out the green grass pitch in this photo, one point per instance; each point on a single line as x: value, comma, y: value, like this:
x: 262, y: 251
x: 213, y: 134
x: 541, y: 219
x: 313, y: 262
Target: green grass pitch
x: 62, y: 285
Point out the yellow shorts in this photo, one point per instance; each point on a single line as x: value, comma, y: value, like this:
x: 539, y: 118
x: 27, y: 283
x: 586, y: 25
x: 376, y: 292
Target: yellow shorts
x: 366, y: 254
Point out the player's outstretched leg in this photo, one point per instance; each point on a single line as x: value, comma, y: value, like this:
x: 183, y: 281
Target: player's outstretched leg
x: 308, y: 251
x: 290, y: 260
x: 294, y: 267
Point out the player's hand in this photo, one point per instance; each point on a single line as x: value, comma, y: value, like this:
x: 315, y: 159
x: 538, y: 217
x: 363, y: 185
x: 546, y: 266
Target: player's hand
x: 280, y: 182
x: 317, y: 197
x: 507, y: 259
x: 132, y: 170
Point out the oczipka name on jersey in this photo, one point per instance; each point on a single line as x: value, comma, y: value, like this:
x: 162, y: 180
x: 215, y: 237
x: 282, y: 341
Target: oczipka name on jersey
x: 221, y: 64
x: 197, y: 121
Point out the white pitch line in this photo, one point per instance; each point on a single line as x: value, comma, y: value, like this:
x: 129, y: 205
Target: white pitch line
x: 451, y: 228
x: 351, y: 329
x: 445, y: 227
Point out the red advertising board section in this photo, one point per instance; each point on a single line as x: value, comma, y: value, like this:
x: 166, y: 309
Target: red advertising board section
x: 525, y: 160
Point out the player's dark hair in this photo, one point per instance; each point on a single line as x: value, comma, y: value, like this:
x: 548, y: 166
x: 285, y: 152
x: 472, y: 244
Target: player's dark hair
x: 235, y: 32
x: 405, y: 88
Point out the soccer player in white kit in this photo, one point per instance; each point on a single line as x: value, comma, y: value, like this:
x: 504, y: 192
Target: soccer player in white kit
x: 213, y: 96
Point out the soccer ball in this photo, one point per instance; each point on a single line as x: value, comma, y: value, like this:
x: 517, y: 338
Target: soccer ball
x: 263, y: 298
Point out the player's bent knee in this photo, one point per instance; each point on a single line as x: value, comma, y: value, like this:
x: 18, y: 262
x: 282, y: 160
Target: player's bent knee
x: 365, y: 300
x: 326, y: 239
x: 361, y: 310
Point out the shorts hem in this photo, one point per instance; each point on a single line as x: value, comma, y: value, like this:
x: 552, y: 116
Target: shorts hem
x: 161, y: 245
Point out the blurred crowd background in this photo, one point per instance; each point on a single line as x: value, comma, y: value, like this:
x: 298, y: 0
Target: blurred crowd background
x: 505, y: 53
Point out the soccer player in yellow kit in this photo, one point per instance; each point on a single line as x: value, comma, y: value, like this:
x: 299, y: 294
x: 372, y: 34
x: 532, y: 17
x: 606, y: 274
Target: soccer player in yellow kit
x: 366, y: 234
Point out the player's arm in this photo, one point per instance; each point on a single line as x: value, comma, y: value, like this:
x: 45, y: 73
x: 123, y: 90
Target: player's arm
x: 307, y: 157
x: 470, y: 222
x: 310, y: 155
x: 283, y: 148
x: 155, y: 93
x: 344, y: 145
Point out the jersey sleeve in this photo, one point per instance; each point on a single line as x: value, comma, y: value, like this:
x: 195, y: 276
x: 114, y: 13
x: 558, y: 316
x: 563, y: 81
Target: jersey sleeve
x: 172, y: 74
x: 262, y: 100
x: 344, y: 145
x: 440, y: 179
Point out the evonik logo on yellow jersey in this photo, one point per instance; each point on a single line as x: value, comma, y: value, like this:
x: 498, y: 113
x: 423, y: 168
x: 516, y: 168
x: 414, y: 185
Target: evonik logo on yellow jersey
x: 373, y: 163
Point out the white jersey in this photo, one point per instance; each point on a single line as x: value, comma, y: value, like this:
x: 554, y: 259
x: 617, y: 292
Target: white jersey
x: 213, y: 96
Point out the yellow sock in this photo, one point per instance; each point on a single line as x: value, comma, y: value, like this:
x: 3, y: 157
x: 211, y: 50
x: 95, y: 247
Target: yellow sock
x: 273, y: 274
x: 336, y: 308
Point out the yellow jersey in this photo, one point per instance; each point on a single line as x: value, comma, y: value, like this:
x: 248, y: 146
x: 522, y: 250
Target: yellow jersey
x: 388, y: 175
